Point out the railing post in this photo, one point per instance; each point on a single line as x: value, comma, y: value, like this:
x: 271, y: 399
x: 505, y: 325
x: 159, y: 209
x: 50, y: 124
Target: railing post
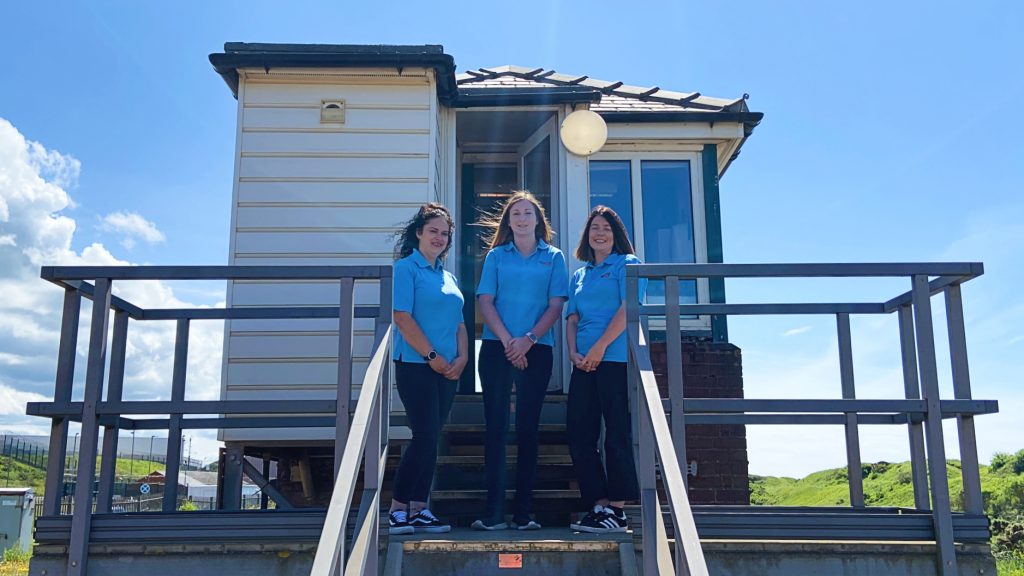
x: 81, y: 521
x: 674, y: 353
x: 912, y: 391
x: 346, y: 308
x: 115, y: 388
x: 649, y: 509
x: 173, y: 463
x: 941, y: 514
x: 849, y: 393
x: 962, y: 391
x: 63, y: 383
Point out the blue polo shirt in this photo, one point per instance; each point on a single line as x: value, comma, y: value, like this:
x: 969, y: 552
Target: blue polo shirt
x: 596, y: 294
x: 431, y: 294
x: 522, y: 286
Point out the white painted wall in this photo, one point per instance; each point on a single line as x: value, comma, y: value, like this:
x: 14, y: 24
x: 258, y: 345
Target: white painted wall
x: 308, y: 193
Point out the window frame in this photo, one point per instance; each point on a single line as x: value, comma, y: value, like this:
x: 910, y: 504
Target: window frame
x: 700, y: 238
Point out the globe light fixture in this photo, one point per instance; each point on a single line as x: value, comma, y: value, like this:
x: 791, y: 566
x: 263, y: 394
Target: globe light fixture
x: 583, y: 132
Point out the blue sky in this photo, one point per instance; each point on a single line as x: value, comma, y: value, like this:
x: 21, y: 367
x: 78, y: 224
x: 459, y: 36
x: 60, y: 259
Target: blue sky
x: 891, y: 133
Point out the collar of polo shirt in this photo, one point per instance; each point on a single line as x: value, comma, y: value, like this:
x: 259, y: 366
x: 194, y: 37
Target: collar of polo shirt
x: 421, y: 260
x: 612, y: 258
x: 541, y: 245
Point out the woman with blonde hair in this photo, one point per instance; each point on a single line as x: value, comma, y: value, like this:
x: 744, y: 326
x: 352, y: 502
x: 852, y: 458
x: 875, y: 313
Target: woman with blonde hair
x: 523, y: 286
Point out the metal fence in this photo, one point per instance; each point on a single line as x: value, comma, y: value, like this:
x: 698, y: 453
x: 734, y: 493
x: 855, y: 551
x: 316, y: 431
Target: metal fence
x: 922, y: 410
x: 177, y: 414
x: 22, y: 451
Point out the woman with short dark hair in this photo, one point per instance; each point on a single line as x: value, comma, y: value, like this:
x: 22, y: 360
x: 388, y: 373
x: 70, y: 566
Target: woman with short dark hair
x: 430, y: 351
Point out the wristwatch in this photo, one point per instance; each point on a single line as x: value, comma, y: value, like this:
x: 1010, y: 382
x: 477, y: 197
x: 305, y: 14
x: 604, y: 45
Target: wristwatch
x: 430, y: 356
x: 532, y: 337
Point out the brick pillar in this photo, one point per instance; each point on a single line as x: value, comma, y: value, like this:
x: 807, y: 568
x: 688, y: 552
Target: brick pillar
x: 711, y: 370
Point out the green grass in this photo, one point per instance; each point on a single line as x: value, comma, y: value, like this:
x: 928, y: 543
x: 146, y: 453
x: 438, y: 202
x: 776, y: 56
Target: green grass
x: 1011, y: 565
x: 887, y: 484
x: 18, y: 474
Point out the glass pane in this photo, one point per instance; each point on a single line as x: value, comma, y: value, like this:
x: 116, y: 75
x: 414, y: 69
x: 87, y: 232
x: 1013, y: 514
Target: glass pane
x: 611, y: 185
x: 537, y: 172
x: 668, y: 222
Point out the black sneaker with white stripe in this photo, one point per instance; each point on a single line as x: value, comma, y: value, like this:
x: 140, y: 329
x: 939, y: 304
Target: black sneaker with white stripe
x: 602, y: 520
x: 425, y: 521
x: 398, y: 523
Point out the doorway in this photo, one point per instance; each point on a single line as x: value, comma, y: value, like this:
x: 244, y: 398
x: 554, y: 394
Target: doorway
x: 501, y: 151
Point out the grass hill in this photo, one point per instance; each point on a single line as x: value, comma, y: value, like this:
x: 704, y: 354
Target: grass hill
x: 889, y: 484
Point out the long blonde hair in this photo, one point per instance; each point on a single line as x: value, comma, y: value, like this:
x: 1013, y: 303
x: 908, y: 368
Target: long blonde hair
x: 499, y: 231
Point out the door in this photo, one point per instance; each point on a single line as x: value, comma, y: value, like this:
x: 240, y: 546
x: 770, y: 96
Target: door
x: 538, y: 173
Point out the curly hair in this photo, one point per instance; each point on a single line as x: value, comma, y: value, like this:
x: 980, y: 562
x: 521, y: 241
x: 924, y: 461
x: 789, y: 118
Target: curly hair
x: 406, y: 239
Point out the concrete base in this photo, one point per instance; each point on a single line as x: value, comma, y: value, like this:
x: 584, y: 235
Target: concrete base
x: 550, y: 551
x: 811, y: 558
x: 292, y: 559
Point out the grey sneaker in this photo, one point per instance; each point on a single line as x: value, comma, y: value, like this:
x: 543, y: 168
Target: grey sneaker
x: 479, y: 525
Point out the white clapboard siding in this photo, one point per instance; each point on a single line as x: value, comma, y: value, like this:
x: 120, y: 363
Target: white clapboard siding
x: 298, y: 119
x: 310, y: 260
x: 276, y: 378
x: 381, y: 93
x: 311, y: 346
x: 304, y: 242
x: 355, y: 167
x: 301, y: 293
x: 319, y: 194
x: 335, y: 142
x: 299, y: 216
x: 297, y: 325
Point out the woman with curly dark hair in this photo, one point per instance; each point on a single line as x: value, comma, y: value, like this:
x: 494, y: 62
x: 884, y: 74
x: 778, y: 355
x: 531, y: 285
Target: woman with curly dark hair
x: 430, y: 351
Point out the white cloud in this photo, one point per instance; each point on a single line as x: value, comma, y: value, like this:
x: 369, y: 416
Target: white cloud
x: 131, y: 226
x: 795, y: 331
x: 34, y: 232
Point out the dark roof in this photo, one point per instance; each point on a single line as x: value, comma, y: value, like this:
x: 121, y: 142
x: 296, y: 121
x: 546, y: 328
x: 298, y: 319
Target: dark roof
x: 245, y: 55
x: 620, y: 97
x: 504, y: 85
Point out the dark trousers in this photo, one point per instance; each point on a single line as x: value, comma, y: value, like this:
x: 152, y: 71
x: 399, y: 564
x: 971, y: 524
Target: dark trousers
x: 593, y: 396
x: 427, y: 397
x: 497, y: 376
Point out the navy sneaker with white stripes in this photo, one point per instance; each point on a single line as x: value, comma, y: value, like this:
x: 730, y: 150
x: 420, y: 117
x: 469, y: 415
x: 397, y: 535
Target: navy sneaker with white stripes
x: 602, y: 520
x: 425, y: 521
x: 398, y: 523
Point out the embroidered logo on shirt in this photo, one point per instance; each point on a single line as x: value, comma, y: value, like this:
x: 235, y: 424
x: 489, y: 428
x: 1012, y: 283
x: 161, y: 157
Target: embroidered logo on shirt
x: 606, y: 275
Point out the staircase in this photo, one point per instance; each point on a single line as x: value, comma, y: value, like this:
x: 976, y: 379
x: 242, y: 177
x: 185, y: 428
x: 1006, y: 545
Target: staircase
x: 459, y: 497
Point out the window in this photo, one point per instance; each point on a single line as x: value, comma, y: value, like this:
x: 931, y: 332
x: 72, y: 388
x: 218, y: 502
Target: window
x: 611, y: 185
x: 659, y: 197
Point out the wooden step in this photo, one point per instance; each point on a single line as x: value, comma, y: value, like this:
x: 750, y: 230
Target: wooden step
x: 481, y: 495
x: 478, y: 461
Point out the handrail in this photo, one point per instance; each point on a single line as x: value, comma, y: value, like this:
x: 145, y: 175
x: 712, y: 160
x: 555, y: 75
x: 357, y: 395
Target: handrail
x: 653, y: 423
x: 114, y: 413
x: 330, y: 549
x: 922, y: 411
